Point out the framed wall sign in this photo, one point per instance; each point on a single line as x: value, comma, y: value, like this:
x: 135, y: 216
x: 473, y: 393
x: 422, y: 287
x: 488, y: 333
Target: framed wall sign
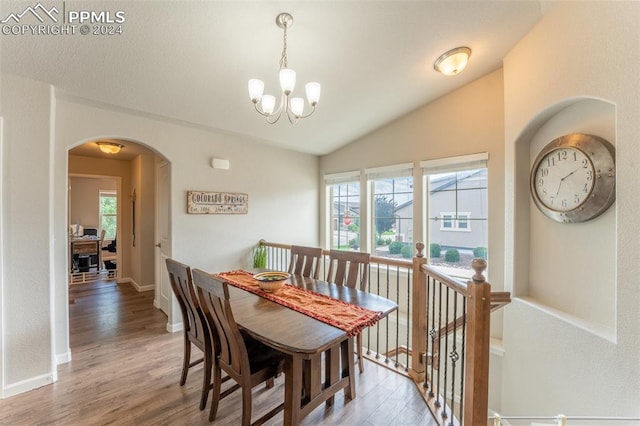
x: 203, y: 202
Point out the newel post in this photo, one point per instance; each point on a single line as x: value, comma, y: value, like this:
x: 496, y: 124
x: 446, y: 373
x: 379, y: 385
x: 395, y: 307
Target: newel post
x: 419, y: 317
x: 476, y: 386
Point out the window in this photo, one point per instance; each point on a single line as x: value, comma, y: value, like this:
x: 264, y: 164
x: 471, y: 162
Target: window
x: 392, y: 210
x: 343, y: 194
x: 456, y: 221
x: 108, y: 214
x: 452, y: 221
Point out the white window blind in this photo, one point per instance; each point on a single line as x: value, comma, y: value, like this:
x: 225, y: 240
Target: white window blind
x: 455, y: 164
x: 386, y: 172
x: 344, y: 177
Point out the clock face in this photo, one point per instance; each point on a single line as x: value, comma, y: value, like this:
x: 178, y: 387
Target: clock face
x: 564, y: 179
x: 573, y: 178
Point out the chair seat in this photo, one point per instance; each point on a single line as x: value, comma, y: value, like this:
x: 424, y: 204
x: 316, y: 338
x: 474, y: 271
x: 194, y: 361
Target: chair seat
x: 260, y: 355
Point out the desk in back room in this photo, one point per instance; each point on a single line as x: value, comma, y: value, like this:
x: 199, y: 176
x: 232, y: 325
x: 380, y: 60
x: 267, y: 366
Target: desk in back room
x: 84, y: 246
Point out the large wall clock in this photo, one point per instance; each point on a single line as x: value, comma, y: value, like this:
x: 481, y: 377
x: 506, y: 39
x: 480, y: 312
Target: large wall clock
x: 573, y: 178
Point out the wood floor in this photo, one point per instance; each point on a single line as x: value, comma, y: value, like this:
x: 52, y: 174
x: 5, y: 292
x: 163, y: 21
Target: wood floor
x: 126, y: 368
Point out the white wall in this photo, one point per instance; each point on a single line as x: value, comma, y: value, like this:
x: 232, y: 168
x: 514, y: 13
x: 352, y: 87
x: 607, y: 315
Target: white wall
x: 283, y: 206
x: 85, y: 199
x: 553, y: 363
x: 27, y: 312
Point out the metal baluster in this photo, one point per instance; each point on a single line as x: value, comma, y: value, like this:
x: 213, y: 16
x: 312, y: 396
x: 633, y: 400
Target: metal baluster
x: 409, y: 281
x: 463, y: 351
x: 446, y: 352
x: 454, y: 357
x: 432, y: 332
x: 437, y: 403
x: 378, y: 325
x: 397, y: 363
x: 386, y: 354
x: 425, y: 385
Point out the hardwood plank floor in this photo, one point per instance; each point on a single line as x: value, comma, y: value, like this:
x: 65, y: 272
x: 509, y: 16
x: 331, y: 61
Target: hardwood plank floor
x: 126, y: 368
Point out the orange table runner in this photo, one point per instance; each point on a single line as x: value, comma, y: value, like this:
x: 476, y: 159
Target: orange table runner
x: 345, y: 316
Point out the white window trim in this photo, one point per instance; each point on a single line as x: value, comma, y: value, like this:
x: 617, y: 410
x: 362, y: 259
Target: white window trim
x: 331, y: 180
x: 455, y: 223
x: 454, y: 164
x: 380, y: 173
x: 107, y: 193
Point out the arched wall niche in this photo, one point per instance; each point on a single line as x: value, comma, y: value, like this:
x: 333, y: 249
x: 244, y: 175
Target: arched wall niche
x: 567, y: 270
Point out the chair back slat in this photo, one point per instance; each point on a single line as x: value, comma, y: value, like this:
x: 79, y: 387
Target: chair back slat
x: 305, y: 261
x: 192, y: 316
x: 348, y: 268
x: 232, y: 353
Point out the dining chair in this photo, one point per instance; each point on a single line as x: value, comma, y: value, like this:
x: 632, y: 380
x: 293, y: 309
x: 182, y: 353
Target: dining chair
x: 243, y: 358
x: 305, y: 261
x: 351, y: 269
x: 194, y: 325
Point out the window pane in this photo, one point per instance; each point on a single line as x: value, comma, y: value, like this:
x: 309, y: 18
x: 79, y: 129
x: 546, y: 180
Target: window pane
x: 457, y: 220
x: 345, y: 216
x: 108, y: 214
x: 392, y: 217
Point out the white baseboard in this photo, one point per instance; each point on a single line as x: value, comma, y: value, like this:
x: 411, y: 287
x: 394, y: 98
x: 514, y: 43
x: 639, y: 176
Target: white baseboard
x: 139, y: 288
x: 27, y: 385
x: 63, y: 358
x: 172, y: 328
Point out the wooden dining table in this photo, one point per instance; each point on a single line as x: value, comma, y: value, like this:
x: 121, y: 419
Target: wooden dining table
x: 304, y: 340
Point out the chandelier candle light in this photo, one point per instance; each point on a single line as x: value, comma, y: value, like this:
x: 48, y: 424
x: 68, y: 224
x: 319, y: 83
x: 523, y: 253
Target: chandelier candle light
x: 293, y: 107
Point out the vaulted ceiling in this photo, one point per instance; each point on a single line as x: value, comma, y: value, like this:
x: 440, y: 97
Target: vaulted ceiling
x: 190, y: 61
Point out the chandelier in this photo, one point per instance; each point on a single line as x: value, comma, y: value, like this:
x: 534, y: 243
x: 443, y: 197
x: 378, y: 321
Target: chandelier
x: 293, y: 107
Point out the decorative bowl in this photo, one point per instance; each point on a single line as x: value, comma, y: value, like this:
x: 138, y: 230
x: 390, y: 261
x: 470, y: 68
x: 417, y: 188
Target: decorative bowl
x: 271, y: 281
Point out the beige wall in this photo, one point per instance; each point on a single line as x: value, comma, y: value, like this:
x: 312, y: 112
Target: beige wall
x: 117, y: 168
x: 84, y: 199
x: 27, y: 341
x: 467, y: 121
x: 470, y: 120
x: 577, y: 352
x: 36, y: 339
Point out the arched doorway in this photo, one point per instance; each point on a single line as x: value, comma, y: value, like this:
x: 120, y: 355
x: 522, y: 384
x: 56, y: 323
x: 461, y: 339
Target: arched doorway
x: 136, y: 167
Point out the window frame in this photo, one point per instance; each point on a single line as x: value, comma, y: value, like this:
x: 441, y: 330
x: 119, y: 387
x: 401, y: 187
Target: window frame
x: 331, y: 180
x: 451, y: 165
x: 111, y: 193
x: 396, y: 171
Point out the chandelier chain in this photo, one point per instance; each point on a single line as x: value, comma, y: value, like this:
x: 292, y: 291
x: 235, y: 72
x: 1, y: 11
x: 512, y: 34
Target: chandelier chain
x: 283, y: 59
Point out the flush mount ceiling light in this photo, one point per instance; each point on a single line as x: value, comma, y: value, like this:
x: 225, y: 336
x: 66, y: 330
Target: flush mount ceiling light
x: 293, y: 107
x: 109, y: 147
x: 453, y: 61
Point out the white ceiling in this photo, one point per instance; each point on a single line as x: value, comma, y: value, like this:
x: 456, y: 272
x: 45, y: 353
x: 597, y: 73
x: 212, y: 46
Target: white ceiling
x: 190, y: 60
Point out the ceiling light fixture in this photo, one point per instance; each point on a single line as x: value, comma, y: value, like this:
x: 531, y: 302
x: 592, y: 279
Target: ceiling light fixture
x: 109, y: 147
x: 453, y: 61
x: 293, y: 107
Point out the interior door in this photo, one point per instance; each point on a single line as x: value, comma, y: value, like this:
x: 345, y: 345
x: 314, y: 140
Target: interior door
x: 163, y: 240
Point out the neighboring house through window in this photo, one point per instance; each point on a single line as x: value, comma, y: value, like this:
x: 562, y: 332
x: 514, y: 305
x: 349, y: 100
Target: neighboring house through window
x: 457, y: 212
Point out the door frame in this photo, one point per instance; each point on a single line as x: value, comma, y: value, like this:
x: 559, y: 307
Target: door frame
x: 118, y: 180
x: 162, y: 251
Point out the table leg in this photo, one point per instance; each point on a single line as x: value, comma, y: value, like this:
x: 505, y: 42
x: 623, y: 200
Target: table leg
x: 332, y: 370
x: 292, y: 390
x: 348, y: 367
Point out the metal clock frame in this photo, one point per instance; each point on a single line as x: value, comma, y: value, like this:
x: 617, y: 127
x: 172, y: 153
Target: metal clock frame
x: 602, y: 156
